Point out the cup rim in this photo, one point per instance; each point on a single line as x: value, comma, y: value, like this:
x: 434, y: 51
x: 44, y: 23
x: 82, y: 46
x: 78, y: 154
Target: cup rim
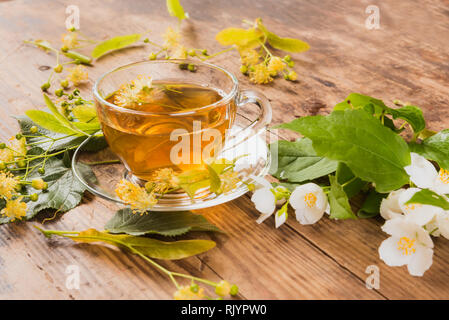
x: 225, y: 99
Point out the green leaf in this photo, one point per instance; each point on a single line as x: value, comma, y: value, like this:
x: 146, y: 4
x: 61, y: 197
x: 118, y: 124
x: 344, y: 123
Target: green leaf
x: 298, y: 162
x: 426, y: 196
x: 148, y: 247
x: 287, y: 44
x: 338, y: 200
x: 113, y: 44
x: 215, y: 181
x: 371, y: 206
x: 50, y: 122
x: 163, y: 223
x: 77, y: 56
x: 373, y: 152
x: 238, y: 36
x: 411, y: 114
x: 176, y: 10
x: 435, y: 148
x: 85, y: 113
x: 345, y: 175
x: 63, y: 120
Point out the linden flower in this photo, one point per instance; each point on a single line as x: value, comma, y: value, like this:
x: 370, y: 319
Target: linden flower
x: 171, y: 38
x: 249, y: 57
x: 17, y: 149
x: 127, y: 96
x: 8, y: 185
x: 15, y: 209
x: 77, y: 74
x: 229, y: 180
x: 260, y: 74
x: 142, y: 83
x: 310, y: 203
x: 186, y: 293
x: 136, y: 197
x: 425, y: 176
x: 69, y: 40
x: 409, y: 245
x: 179, y: 52
x: 163, y: 180
x: 276, y: 65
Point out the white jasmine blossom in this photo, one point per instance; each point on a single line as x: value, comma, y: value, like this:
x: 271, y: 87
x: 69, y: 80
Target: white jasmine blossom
x: 409, y: 244
x: 310, y: 202
x: 424, y: 175
x: 421, y: 214
x: 389, y: 207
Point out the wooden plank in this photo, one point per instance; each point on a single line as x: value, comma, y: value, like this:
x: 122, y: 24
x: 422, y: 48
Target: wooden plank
x: 326, y: 260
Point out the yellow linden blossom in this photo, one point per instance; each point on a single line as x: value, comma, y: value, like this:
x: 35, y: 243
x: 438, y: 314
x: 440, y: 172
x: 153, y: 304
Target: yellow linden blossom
x: 229, y: 180
x: 127, y: 96
x: 69, y: 40
x: 260, y: 74
x: 185, y: 293
x: 171, y: 38
x: 249, y: 57
x: 77, y: 74
x: 276, y: 65
x: 162, y: 181
x: 15, y: 209
x: 136, y: 197
x: 17, y: 149
x: 8, y: 184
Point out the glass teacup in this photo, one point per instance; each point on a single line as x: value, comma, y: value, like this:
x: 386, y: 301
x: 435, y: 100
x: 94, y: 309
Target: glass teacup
x: 189, y: 126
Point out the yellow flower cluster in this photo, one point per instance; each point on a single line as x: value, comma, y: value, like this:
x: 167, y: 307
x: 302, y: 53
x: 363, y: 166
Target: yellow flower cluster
x: 171, y: 38
x: 260, y: 74
x: 249, y: 57
x: 229, y: 180
x: 69, y: 40
x: 15, y: 209
x: 186, y: 293
x: 16, y: 150
x: 136, y: 197
x: 8, y: 185
x: 133, y: 93
x: 77, y: 74
x: 162, y: 181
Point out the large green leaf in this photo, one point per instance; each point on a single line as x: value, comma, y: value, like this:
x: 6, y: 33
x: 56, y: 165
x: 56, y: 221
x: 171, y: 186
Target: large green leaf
x: 113, y: 44
x: 352, y: 184
x: 298, y: 162
x: 175, y: 9
x: 338, y: 200
x: 411, y: 114
x: 163, y: 223
x: 85, y: 113
x: 435, y: 148
x: 426, y: 196
x: 373, y: 152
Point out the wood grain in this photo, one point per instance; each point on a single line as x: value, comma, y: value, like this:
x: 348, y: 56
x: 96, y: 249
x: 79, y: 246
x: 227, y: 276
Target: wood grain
x: 407, y: 59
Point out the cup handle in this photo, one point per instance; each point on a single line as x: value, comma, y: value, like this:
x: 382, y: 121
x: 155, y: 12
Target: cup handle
x: 265, y: 115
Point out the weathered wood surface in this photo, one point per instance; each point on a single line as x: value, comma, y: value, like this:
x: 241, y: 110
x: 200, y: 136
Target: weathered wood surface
x: 407, y: 58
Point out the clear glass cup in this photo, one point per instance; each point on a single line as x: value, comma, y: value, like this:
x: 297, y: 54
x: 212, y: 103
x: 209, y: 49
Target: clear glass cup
x: 144, y: 140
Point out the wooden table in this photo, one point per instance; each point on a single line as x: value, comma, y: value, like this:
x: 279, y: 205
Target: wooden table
x: 407, y: 58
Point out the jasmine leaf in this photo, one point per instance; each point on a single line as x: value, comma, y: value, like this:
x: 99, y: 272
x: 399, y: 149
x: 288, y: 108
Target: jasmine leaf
x: 148, y: 247
x: 113, y: 44
x: 344, y: 175
x: 298, y: 162
x: 373, y: 152
x: 435, y: 148
x: 411, y: 114
x: 50, y: 122
x: 163, y: 223
x: 338, y: 200
x: 371, y: 206
x: 175, y: 9
x: 238, y: 36
x: 287, y: 44
x: 426, y: 196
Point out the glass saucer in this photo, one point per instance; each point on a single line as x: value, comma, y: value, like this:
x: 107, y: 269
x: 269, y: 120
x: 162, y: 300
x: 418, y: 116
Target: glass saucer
x: 244, y: 143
